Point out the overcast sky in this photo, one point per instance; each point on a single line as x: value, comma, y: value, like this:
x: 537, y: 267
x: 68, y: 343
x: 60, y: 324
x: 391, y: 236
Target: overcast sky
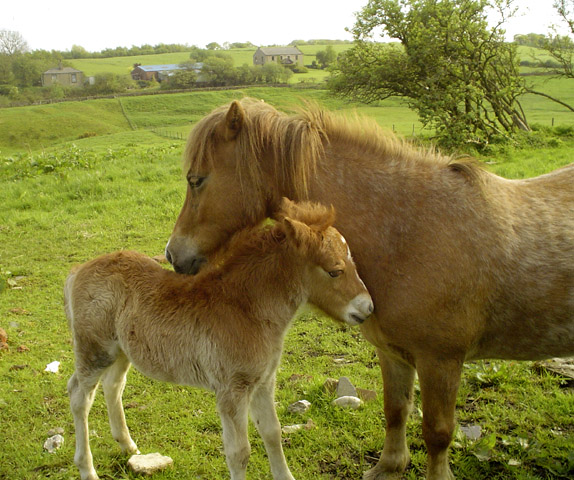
x: 96, y: 25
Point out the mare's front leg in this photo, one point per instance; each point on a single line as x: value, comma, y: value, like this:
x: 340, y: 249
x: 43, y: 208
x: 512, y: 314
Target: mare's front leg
x: 265, y: 419
x: 113, y: 383
x: 439, y: 380
x: 233, y: 411
x: 398, y: 382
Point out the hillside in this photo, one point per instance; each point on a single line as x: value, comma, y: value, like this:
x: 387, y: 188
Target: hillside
x: 107, y: 122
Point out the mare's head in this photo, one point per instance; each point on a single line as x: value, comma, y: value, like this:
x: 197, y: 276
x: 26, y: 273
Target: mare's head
x: 233, y: 178
x: 334, y: 284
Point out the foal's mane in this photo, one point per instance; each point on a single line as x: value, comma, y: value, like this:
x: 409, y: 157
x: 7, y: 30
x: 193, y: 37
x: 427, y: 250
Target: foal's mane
x: 263, y: 239
x: 298, y: 142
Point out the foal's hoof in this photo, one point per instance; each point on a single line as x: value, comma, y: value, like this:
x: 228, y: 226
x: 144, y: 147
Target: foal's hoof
x: 376, y: 474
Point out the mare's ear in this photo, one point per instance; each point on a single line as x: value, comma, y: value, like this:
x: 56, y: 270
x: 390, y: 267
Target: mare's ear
x: 234, y: 120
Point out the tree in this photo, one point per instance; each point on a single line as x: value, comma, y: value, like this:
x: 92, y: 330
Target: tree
x: 213, y: 46
x: 275, y: 73
x: 561, y: 47
x: 78, y: 51
x: 12, y: 43
x: 458, y: 73
x: 218, y: 70
x: 183, y: 79
x: 326, y: 57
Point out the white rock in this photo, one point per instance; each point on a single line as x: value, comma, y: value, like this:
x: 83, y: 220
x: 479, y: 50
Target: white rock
x: 149, y: 464
x: 291, y: 428
x: 299, y: 407
x: 53, y: 443
x: 348, y: 401
x: 52, y: 367
x: 472, y: 432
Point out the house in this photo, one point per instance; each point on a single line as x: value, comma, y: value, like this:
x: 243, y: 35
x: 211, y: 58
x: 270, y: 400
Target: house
x: 281, y: 55
x: 65, y: 76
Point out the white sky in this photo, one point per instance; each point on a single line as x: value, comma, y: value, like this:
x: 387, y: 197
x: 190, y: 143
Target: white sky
x: 96, y: 25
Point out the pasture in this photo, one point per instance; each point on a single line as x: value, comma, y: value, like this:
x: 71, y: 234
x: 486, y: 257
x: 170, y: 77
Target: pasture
x: 77, y: 182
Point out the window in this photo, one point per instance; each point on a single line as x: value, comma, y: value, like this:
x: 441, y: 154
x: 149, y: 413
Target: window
x: 54, y: 78
x: 74, y: 78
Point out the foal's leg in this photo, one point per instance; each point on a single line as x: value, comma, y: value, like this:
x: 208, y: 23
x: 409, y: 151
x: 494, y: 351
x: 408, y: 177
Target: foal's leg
x: 233, y: 411
x: 82, y: 390
x: 113, y: 383
x: 398, y: 382
x: 265, y: 418
x: 439, y: 381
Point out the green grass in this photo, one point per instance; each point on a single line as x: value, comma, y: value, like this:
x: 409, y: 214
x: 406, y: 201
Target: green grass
x: 122, y: 189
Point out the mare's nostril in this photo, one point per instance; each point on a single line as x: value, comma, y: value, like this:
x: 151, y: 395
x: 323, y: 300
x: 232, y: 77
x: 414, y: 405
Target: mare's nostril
x: 168, y: 256
x: 371, y: 308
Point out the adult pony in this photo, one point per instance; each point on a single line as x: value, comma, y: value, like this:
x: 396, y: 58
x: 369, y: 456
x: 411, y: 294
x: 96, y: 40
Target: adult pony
x: 222, y: 330
x: 461, y: 264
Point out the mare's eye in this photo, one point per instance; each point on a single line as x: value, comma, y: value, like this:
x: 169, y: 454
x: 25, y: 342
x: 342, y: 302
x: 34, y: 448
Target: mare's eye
x: 335, y: 273
x: 195, y: 181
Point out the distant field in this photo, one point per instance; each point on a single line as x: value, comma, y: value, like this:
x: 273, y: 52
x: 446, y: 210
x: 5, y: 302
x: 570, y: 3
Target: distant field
x: 241, y: 56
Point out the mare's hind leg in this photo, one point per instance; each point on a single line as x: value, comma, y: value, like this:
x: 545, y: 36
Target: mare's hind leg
x: 113, y: 383
x: 265, y: 418
x: 82, y: 390
x: 398, y: 382
x: 233, y: 411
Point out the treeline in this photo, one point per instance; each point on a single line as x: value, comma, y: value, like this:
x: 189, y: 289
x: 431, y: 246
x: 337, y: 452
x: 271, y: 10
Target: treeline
x: 298, y: 43
x: 80, y: 52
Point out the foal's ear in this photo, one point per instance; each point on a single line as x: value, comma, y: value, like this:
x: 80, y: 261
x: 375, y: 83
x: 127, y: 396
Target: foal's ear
x: 234, y: 120
x: 298, y: 231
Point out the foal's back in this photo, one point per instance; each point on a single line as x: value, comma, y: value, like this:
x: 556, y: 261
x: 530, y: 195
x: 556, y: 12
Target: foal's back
x: 128, y: 303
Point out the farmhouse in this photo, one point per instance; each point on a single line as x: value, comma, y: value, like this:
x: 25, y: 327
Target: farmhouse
x: 65, y: 76
x: 281, y: 55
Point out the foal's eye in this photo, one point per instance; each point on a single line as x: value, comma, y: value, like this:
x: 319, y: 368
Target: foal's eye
x: 195, y: 181
x: 335, y: 273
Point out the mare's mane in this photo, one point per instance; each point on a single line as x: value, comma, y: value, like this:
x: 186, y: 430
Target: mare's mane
x: 298, y: 142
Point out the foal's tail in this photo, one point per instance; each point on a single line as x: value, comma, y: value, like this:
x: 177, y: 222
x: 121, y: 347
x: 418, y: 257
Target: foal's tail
x: 68, y: 286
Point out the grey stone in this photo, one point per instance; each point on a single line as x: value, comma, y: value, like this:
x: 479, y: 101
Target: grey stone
x: 345, y: 388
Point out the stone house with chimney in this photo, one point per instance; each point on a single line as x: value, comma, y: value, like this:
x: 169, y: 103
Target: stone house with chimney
x: 64, y: 76
x: 282, y: 55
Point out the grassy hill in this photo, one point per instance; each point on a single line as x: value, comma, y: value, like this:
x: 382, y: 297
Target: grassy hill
x: 144, y: 118
x: 106, y: 120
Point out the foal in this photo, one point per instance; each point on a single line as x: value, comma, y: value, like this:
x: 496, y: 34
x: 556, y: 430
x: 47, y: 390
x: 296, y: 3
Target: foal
x: 222, y: 329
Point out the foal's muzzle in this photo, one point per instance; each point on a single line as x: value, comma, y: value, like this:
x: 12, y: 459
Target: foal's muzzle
x: 359, y: 309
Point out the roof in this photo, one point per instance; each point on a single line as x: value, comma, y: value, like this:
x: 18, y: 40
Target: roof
x: 62, y: 70
x: 280, y: 51
x: 160, y: 68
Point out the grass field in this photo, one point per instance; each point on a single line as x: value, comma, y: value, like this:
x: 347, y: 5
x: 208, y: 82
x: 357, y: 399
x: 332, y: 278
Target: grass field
x: 67, y: 199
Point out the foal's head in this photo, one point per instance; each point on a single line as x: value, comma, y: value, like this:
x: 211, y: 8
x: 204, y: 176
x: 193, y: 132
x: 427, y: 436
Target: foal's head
x: 335, y: 286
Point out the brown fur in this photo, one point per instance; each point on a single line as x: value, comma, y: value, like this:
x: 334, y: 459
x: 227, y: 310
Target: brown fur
x: 462, y: 264
x: 222, y: 329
